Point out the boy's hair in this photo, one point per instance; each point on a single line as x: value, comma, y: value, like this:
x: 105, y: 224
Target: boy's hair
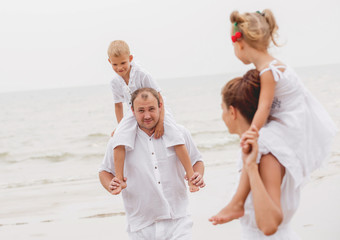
x: 136, y: 93
x: 243, y: 93
x: 118, y: 48
x: 257, y: 28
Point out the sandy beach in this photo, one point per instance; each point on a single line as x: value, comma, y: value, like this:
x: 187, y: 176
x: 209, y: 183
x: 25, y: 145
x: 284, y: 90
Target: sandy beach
x: 83, y: 210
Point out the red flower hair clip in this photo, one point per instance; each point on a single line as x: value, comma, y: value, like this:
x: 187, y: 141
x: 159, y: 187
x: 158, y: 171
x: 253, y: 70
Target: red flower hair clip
x: 236, y: 36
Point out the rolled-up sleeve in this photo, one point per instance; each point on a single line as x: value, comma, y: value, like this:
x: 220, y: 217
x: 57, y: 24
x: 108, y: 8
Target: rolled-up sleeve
x: 108, y: 163
x: 194, y: 153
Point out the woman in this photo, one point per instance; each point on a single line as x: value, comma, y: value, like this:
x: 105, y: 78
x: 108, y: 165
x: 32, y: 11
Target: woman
x: 274, y: 195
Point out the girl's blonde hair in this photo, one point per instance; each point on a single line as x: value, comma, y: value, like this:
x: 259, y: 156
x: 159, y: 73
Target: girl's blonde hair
x: 258, y: 28
x: 118, y: 48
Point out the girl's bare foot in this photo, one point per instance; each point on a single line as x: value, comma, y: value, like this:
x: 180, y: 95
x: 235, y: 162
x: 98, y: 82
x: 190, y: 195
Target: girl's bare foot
x: 228, y: 213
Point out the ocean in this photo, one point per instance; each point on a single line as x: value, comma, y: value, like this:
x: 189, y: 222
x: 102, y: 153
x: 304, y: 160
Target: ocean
x: 56, y: 138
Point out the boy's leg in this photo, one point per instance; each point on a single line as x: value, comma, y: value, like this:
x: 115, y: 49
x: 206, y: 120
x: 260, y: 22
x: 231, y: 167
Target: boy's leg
x: 235, y: 208
x: 182, y: 154
x: 119, y: 158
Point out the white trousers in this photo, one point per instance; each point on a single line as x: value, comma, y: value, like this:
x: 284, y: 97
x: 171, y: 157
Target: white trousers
x: 168, y: 229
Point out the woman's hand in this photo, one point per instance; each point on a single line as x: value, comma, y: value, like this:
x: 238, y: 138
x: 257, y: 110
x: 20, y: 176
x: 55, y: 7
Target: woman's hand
x: 249, y: 153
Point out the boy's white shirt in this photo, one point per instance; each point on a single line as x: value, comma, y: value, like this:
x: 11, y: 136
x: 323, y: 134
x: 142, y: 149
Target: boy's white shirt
x: 139, y: 78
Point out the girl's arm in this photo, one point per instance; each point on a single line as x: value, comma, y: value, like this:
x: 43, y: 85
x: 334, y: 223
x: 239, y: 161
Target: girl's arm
x: 265, y: 183
x: 266, y: 99
x: 119, y: 111
x: 159, y: 131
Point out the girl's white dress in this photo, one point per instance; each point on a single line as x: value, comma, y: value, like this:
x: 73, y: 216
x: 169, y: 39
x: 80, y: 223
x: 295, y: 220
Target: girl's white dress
x: 299, y: 134
x: 126, y: 130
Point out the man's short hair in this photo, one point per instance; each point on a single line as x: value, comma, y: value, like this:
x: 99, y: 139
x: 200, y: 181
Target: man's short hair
x: 140, y: 91
x: 118, y: 48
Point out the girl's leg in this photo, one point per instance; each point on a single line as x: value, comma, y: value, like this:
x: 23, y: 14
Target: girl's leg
x: 119, y: 158
x: 235, y: 208
x: 182, y: 154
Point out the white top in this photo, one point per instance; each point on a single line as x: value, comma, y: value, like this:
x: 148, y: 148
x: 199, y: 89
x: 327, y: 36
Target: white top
x: 155, y: 187
x: 139, y: 78
x: 301, y: 131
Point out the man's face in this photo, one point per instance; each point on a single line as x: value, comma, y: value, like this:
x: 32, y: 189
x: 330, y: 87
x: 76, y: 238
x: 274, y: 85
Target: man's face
x: 146, y: 111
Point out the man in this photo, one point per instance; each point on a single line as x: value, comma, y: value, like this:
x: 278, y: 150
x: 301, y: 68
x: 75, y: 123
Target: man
x: 156, y: 198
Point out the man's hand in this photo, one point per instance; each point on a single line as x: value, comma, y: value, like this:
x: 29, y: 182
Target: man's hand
x: 197, y: 180
x: 116, y: 185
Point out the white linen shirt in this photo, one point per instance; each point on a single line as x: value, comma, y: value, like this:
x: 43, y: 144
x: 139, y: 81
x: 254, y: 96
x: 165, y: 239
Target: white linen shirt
x: 155, y: 180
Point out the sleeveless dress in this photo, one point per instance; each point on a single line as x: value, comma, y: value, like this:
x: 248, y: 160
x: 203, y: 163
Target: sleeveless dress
x: 299, y: 134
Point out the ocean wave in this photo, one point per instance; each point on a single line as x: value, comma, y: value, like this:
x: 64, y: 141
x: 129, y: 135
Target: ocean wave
x: 97, y: 135
x: 54, y: 157
x: 44, y: 182
x: 216, y: 144
x: 4, y: 154
x: 208, y: 132
x: 93, y: 156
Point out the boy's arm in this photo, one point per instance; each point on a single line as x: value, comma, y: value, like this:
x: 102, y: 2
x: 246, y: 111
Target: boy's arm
x: 119, y: 111
x: 159, y: 131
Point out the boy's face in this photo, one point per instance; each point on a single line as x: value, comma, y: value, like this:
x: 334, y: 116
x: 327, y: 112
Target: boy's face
x: 121, y: 64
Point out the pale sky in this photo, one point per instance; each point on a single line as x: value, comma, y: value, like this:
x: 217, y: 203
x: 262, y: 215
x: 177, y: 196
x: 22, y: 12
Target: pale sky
x: 52, y: 44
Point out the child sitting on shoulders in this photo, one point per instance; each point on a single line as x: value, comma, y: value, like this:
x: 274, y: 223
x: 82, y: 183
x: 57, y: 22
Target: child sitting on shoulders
x: 128, y: 78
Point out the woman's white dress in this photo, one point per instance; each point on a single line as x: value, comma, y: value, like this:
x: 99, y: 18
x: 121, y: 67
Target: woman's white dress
x: 299, y: 135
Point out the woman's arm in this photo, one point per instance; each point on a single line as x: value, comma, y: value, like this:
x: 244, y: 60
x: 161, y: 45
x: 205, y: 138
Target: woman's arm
x: 265, y: 183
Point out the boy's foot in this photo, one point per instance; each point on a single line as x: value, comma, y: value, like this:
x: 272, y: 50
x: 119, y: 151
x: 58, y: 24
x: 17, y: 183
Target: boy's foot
x: 227, y: 214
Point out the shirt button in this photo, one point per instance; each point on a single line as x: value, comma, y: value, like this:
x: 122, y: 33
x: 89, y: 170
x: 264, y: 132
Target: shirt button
x: 149, y: 139
x: 155, y: 167
x: 159, y: 182
x: 152, y: 153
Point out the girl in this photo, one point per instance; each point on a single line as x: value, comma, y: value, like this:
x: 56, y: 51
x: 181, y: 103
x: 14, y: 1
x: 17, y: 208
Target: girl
x: 291, y: 121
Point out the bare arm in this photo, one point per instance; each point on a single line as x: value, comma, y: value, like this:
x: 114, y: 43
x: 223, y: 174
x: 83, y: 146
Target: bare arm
x: 159, y: 131
x: 109, y: 181
x: 197, y: 178
x: 105, y: 179
x: 265, y: 183
x: 266, y: 99
x: 119, y: 111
